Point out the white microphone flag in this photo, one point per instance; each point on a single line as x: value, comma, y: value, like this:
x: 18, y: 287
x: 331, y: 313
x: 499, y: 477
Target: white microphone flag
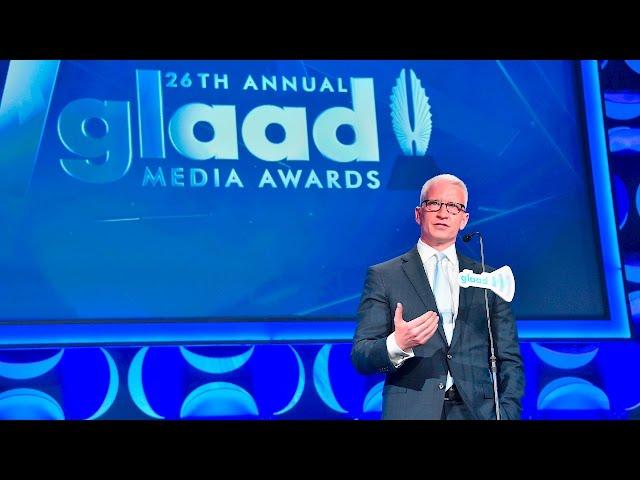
x: 500, y: 281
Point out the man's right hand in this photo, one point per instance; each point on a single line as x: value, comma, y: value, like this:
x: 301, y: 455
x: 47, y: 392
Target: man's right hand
x: 414, y: 332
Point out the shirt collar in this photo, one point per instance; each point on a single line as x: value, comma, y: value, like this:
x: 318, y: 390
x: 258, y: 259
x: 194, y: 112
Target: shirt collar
x: 426, y: 252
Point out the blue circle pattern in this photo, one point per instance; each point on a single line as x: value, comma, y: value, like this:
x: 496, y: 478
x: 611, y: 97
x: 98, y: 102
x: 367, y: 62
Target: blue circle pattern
x: 87, y: 377
x: 270, y: 383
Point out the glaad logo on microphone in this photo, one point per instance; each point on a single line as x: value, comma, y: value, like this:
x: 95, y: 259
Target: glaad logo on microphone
x: 473, y: 278
x: 408, y: 136
x: 500, y: 281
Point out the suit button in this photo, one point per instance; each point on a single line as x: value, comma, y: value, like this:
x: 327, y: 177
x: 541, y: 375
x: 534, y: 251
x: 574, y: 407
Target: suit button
x: 449, y: 356
x: 441, y: 386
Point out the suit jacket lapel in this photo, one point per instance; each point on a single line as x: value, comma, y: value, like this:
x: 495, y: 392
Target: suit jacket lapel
x: 413, y: 268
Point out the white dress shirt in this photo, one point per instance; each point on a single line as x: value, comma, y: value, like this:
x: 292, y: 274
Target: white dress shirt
x: 451, y: 268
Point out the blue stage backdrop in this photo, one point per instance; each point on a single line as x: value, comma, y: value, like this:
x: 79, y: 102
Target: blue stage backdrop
x: 159, y: 201
x: 241, y: 202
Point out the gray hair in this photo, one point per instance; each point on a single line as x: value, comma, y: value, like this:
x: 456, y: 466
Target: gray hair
x: 447, y: 177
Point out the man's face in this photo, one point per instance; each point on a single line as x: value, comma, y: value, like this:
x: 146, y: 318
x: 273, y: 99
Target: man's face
x: 439, y: 229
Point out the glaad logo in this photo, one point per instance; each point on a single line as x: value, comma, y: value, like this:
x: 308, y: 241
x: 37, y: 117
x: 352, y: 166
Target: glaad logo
x: 420, y: 134
x: 115, y: 141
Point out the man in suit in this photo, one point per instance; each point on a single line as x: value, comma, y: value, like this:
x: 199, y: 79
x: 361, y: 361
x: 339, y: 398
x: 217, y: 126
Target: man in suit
x: 430, y: 336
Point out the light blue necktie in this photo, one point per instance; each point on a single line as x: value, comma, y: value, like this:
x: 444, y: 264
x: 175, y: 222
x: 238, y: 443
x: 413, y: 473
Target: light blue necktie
x: 442, y: 293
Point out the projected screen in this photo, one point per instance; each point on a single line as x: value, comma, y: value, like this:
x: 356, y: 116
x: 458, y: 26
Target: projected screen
x: 257, y: 191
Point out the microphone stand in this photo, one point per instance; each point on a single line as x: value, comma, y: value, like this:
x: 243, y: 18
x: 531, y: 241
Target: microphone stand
x: 492, y: 358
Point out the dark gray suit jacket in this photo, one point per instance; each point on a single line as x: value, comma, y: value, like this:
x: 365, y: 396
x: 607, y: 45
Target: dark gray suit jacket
x: 415, y: 389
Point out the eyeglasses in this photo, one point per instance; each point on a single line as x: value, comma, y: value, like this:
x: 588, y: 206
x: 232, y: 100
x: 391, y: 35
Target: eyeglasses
x: 435, y: 206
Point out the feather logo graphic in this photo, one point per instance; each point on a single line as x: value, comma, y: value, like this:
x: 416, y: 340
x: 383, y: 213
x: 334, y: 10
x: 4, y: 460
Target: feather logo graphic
x: 420, y: 133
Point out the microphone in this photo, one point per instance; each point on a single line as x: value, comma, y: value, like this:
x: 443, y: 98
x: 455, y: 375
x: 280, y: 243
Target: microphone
x: 467, y: 238
x: 492, y: 358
